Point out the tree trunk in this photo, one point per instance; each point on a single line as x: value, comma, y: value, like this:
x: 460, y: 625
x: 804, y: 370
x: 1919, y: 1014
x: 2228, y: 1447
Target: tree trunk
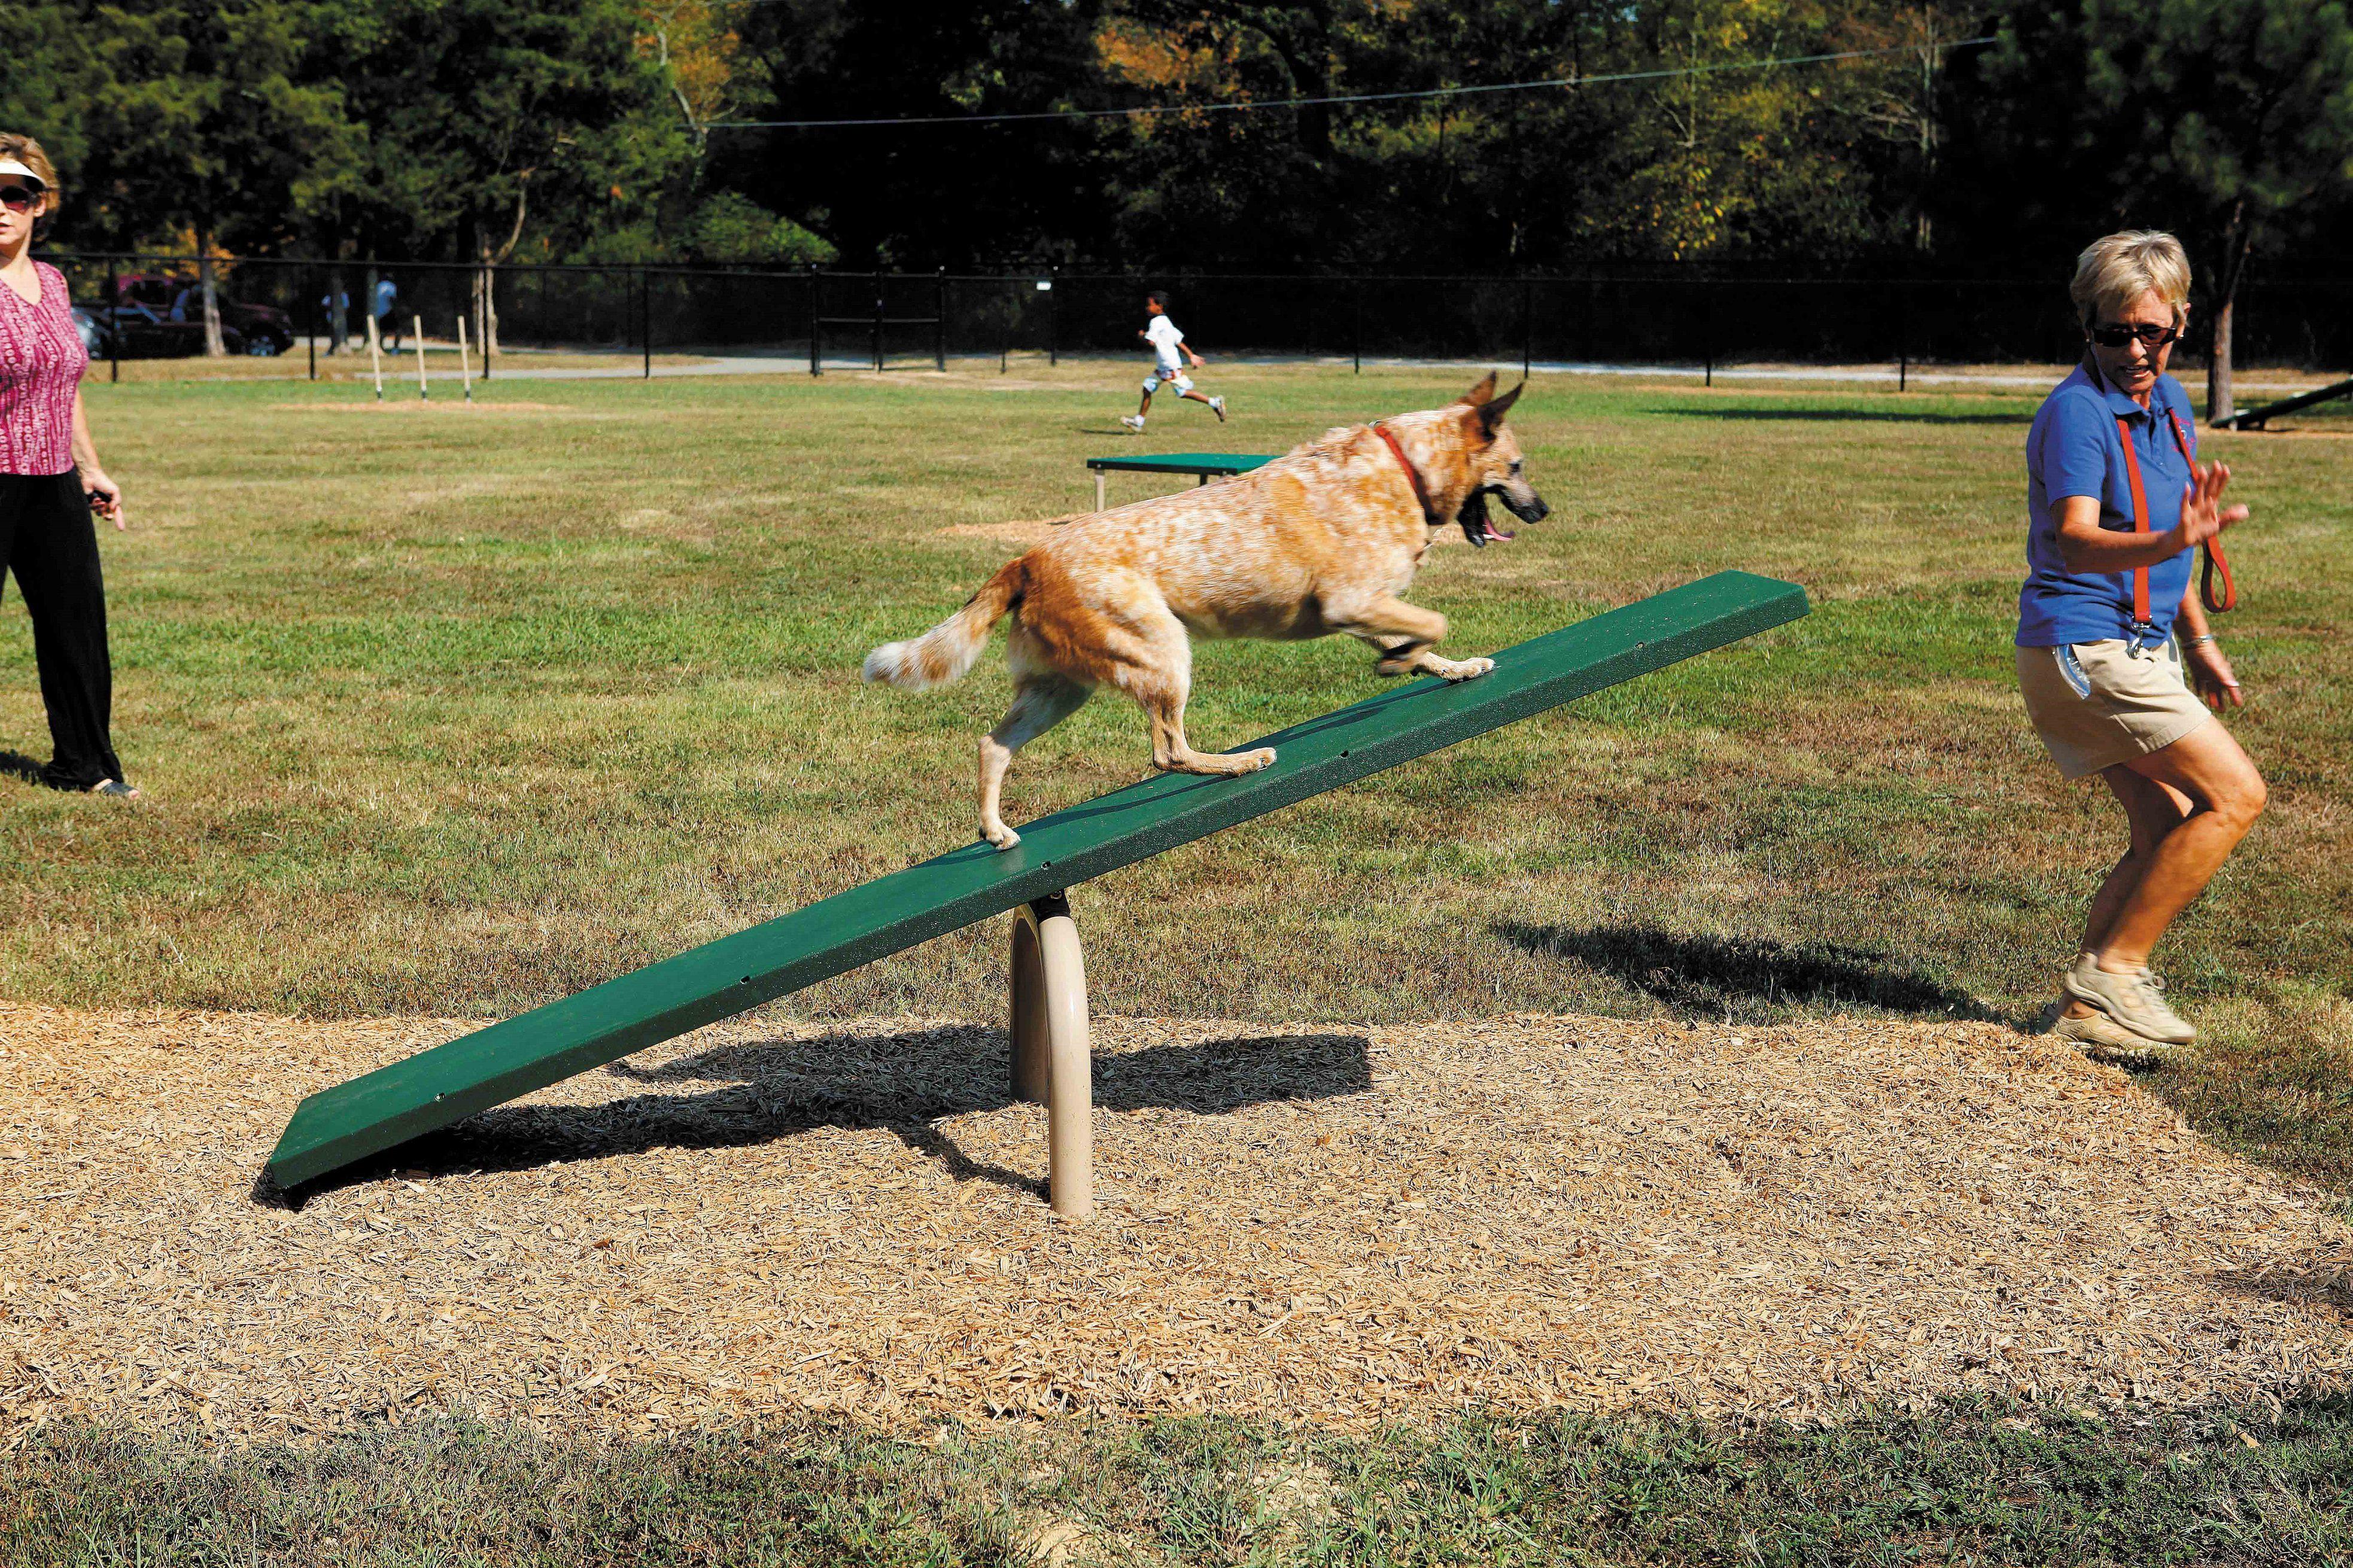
x: 2219, y: 403
x: 214, y: 347
x: 486, y: 304
x: 2239, y: 244
x: 486, y: 281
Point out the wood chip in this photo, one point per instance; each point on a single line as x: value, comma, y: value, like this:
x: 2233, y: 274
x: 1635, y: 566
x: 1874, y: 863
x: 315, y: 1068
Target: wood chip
x: 1340, y: 1227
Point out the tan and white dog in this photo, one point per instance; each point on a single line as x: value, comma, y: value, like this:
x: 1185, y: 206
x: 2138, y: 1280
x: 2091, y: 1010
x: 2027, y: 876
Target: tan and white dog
x: 1321, y: 541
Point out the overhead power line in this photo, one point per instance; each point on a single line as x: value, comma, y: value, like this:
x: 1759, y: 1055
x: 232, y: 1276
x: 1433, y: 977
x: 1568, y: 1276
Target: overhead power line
x: 1240, y: 105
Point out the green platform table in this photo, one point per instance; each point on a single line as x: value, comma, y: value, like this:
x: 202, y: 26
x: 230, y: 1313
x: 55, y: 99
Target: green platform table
x: 433, y: 1089
x: 1203, y: 466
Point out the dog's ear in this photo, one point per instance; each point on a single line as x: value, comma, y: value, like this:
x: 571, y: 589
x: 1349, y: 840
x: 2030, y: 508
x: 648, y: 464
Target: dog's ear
x: 1492, y: 412
x: 1481, y: 392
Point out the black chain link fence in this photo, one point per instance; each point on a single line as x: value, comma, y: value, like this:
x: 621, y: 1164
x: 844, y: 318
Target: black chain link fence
x: 147, y: 306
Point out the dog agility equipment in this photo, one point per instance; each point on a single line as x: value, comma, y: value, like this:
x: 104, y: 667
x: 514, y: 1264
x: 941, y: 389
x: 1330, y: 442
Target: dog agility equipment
x: 449, y: 1082
x: 1203, y: 466
x: 2257, y: 418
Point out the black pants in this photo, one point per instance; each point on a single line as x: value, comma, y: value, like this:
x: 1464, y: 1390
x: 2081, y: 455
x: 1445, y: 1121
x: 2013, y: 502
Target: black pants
x: 47, y: 540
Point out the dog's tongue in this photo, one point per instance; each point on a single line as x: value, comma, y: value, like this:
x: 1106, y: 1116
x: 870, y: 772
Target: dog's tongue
x: 1474, y: 519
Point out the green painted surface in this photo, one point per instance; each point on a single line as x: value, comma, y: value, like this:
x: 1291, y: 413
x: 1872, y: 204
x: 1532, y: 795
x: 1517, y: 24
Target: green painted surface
x: 449, y: 1082
x: 1184, y: 463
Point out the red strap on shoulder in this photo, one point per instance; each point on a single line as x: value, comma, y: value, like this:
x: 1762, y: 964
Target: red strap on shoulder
x: 2215, y: 562
x: 1419, y: 493
x: 2140, y: 521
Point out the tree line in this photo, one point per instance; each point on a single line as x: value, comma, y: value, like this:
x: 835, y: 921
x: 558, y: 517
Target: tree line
x: 642, y: 130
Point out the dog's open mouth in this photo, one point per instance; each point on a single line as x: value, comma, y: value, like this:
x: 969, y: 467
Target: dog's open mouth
x: 1475, y: 526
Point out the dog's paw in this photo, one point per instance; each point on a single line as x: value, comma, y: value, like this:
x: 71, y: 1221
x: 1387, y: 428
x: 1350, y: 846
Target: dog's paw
x: 1001, y: 836
x: 1466, y: 668
x: 1261, y: 758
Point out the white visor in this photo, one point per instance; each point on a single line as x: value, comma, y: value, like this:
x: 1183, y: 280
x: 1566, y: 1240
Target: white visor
x: 10, y: 167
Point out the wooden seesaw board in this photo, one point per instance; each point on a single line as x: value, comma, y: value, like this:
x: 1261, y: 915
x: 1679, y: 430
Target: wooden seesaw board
x: 449, y: 1082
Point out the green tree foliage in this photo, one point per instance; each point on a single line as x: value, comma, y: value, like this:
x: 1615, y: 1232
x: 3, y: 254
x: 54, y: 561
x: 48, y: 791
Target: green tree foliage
x: 482, y: 114
x: 923, y: 195
x: 194, y: 121
x: 2230, y: 121
x: 601, y: 130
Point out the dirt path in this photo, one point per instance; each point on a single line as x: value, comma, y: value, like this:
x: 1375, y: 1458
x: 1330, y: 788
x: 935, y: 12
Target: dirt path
x: 1340, y: 1226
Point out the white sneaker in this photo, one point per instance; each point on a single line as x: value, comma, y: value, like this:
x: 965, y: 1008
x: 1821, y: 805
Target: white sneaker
x: 1217, y: 408
x: 2135, y: 999
x: 1134, y: 422
x: 2103, y: 1039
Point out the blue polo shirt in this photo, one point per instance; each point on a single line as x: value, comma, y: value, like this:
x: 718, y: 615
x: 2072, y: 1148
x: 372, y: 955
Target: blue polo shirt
x: 2073, y: 450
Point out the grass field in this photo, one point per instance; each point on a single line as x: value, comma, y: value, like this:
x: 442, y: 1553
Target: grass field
x: 1961, y: 1484
x: 455, y: 710
x: 458, y: 709
x: 296, y: 364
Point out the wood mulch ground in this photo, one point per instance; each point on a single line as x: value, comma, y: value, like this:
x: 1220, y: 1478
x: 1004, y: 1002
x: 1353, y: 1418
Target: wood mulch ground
x: 1336, y: 1225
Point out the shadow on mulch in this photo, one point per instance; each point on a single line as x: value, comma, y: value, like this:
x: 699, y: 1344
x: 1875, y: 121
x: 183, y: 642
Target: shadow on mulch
x: 2319, y: 1282
x: 1747, y: 977
x: 902, y: 1083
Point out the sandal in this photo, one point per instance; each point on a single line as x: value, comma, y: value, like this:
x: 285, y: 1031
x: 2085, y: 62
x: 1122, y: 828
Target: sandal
x: 116, y: 788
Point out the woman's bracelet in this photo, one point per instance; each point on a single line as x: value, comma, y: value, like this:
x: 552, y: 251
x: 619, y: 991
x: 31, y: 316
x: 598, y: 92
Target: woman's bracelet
x: 2201, y: 640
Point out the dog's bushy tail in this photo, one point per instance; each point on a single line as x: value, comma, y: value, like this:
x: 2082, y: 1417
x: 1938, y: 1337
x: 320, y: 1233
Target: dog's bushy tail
x: 949, y: 649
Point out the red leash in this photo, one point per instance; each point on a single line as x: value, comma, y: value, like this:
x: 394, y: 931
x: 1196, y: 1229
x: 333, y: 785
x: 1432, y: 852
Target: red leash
x: 2215, y: 559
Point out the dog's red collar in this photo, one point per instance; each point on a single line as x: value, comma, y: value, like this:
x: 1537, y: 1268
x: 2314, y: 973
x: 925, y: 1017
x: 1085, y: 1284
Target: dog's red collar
x: 1421, y: 491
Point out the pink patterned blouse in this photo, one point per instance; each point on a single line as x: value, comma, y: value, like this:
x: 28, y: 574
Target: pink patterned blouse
x: 41, y: 362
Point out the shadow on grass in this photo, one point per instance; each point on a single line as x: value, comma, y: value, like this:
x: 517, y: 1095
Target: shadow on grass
x: 17, y: 765
x: 902, y: 1083
x: 1747, y: 976
x: 1851, y: 415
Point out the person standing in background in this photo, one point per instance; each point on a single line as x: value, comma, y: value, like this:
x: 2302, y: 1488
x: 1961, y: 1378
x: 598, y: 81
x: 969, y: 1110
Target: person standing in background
x: 50, y: 481
x: 387, y: 321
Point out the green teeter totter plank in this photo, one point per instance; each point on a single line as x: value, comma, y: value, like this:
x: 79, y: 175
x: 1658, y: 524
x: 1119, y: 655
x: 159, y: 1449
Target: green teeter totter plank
x: 450, y: 1082
x: 1185, y: 463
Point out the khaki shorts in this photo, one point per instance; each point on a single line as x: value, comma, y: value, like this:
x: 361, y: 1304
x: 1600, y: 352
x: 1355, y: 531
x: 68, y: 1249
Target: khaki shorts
x: 2094, y: 705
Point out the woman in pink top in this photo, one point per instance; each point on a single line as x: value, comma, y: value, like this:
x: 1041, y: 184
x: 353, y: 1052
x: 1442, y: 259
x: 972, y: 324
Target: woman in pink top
x: 50, y: 483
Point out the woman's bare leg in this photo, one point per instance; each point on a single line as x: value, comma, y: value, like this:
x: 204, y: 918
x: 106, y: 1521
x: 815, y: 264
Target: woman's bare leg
x: 2225, y: 793
x: 2154, y: 810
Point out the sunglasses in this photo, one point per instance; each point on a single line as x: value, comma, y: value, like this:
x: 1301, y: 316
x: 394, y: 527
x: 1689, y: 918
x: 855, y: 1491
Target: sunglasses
x: 18, y: 199
x: 2150, y: 337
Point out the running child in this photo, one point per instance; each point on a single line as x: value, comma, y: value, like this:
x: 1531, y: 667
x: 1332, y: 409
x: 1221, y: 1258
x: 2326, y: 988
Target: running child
x: 1167, y: 346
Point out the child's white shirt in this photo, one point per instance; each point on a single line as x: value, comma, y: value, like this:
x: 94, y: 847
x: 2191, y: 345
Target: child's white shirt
x: 1164, y: 337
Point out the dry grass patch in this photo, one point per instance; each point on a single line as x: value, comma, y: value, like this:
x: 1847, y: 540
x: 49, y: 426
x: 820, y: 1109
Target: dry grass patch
x: 447, y: 405
x: 1027, y: 532
x: 1340, y: 1226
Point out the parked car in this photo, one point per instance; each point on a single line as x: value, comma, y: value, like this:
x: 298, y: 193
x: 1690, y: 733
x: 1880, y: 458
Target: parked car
x: 134, y: 331
x: 259, y: 329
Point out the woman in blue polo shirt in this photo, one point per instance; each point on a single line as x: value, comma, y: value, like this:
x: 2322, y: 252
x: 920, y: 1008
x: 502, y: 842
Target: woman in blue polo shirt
x: 2117, y: 507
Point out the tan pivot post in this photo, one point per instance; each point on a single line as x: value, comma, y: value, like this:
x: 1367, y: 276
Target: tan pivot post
x: 1098, y: 489
x: 1051, y: 1064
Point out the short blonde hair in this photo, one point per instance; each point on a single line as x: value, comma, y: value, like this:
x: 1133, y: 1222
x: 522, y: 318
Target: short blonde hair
x: 2114, y: 271
x: 27, y: 152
